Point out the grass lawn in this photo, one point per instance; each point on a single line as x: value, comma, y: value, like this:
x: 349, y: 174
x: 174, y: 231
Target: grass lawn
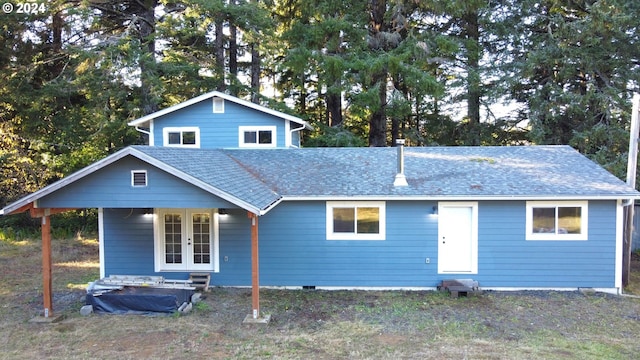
x: 308, y: 324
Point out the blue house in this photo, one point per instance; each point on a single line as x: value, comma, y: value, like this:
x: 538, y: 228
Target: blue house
x: 511, y: 218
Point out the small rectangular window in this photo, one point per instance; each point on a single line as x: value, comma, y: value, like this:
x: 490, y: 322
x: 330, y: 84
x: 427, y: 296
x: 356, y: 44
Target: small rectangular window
x: 218, y: 105
x: 189, y: 138
x: 355, y: 220
x: 556, y: 220
x: 257, y: 136
x: 265, y: 137
x: 250, y: 137
x: 344, y: 220
x: 182, y: 137
x: 174, y: 138
x: 139, y: 178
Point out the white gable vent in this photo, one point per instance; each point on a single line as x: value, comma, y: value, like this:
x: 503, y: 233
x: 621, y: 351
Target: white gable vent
x: 218, y: 105
x: 139, y: 178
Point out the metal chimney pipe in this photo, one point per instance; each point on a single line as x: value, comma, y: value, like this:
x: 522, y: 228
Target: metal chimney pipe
x: 400, y: 179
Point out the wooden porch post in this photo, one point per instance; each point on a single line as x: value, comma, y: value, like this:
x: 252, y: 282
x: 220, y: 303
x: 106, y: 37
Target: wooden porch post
x: 255, y: 267
x: 47, y: 287
x: 47, y: 284
x: 255, y: 316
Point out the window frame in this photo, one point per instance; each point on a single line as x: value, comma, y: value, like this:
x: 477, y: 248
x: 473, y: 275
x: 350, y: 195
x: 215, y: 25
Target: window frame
x: 382, y: 223
x: 181, y: 130
x: 146, y: 178
x: 584, y: 220
x: 243, y: 129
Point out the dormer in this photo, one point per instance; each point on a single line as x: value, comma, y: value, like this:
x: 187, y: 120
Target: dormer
x: 219, y: 120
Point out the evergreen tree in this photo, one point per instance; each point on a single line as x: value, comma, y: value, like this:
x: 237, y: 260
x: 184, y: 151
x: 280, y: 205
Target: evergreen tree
x: 577, y: 73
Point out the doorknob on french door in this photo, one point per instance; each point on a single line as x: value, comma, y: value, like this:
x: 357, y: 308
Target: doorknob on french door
x: 188, y: 241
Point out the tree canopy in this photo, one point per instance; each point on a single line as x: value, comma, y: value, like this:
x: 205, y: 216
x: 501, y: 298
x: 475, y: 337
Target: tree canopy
x: 365, y: 72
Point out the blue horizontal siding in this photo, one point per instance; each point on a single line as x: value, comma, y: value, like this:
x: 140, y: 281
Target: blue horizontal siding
x: 235, y: 245
x: 506, y: 259
x: 294, y: 250
x: 218, y: 130
x: 128, y: 242
x: 110, y: 187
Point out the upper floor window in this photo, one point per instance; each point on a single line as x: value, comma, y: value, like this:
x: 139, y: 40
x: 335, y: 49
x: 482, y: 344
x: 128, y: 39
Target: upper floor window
x: 181, y: 136
x: 562, y: 220
x: 218, y: 105
x: 257, y: 136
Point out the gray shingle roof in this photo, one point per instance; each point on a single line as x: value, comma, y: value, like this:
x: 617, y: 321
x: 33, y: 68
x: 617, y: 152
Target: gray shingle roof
x: 262, y: 177
x: 464, y: 172
x: 215, y: 168
x: 259, y: 179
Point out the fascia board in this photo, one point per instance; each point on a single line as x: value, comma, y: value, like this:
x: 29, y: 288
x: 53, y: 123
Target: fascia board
x: 458, y: 198
x: 66, y: 181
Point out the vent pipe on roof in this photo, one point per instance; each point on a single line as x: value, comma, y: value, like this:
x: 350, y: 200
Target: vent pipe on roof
x: 400, y: 180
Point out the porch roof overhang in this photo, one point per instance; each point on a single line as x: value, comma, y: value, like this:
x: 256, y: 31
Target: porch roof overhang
x: 258, y: 205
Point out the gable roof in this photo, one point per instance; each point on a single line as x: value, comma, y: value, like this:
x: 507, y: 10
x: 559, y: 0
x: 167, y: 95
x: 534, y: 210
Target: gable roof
x: 257, y: 180
x: 211, y: 169
x: 209, y: 95
x: 195, y: 166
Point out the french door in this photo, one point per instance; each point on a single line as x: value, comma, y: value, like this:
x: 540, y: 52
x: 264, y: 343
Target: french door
x: 187, y: 240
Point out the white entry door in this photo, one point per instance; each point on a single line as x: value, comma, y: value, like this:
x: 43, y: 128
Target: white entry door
x: 458, y: 238
x: 187, y: 240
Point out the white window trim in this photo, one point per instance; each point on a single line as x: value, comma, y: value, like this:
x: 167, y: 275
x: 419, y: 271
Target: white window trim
x: 167, y: 130
x: 151, y: 133
x: 218, y: 105
x: 146, y: 179
x: 243, y: 129
x: 584, y: 226
x: 160, y: 264
x: 331, y: 235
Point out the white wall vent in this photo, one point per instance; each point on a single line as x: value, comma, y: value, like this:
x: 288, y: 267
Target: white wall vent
x: 218, y: 105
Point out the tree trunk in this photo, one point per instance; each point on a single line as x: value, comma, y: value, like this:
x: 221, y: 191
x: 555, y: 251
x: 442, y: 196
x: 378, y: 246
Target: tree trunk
x: 255, y: 73
x: 148, y: 66
x: 233, y: 58
x: 219, y: 52
x: 473, y: 49
x: 334, y: 109
x: 378, y: 122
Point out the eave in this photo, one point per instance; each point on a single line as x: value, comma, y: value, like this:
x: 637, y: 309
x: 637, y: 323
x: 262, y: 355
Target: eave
x: 459, y: 197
